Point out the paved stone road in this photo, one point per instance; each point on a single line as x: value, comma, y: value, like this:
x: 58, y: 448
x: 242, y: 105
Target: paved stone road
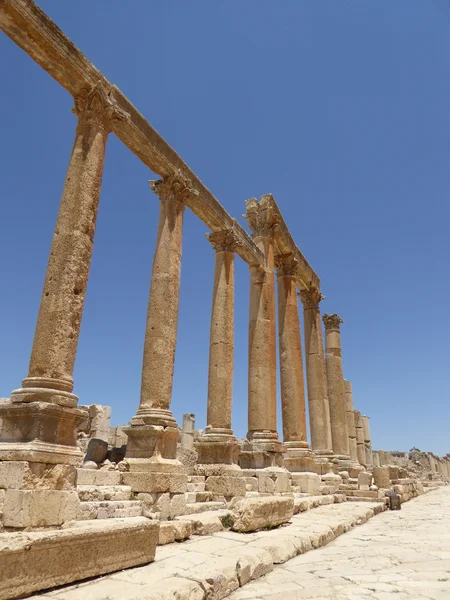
x: 398, y: 555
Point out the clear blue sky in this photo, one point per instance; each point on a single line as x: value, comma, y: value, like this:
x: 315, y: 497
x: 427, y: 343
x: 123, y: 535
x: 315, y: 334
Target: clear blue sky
x: 340, y: 109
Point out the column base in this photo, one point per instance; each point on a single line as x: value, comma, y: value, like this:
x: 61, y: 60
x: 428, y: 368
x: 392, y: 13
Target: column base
x: 217, y: 447
x: 41, y: 432
x: 262, y: 449
x: 151, y: 459
x: 325, y: 462
x: 298, y: 457
x: 45, y: 389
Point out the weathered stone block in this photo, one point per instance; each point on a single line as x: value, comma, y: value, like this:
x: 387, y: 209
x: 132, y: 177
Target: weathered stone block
x: 182, y: 529
x: 308, y: 483
x: 166, y: 533
x: 39, y: 508
x: 364, y: 479
x: 381, y: 477
x: 35, y: 561
x: 88, y: 477
x: 36, y: 476
x: 177, y: 505
x: 251, y: 514
x: 156, y: 482
x: 226, y: 486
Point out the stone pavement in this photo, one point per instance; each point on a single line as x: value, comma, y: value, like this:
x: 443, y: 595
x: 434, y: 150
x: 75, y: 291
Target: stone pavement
x: 400, y: 555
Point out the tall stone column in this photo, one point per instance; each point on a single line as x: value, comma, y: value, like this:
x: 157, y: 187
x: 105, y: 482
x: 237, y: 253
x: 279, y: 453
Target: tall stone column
x: 218, y: 449
x: 264, y: 448
x: 350, y: 421
x: 319, y: 411
x: 38, y: 436
x: 367, y: 441
x: 360, y: 445
x: 298, y: 456
x: 336, y: 389
x: 153, y: 432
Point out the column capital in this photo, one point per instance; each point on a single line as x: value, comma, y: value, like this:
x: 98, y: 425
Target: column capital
x: 286, y: 265
x: 261, y: 217
x: 95, y: 107
x: 332, y: 321
x: 311, y: 298
x: 173, y: 188
x: 223, y: 241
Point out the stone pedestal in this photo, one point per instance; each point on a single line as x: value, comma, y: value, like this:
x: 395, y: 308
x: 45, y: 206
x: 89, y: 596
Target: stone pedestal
x: 319, y: 410
x: 187, y: 431
x: 336, y: 389
x: 40, y: 421
x: 263, y: 448
x: 153, y: 432
x: 297, y: 456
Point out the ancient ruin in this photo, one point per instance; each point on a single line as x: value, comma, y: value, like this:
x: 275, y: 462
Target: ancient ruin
x: 69, y: 480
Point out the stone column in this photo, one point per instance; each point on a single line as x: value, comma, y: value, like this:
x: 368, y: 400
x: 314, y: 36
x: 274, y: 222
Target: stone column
x: 38, y: 437
x: 319, y: 410
x: 350, y: 421
x: 360, y: 446
x: 298, y: 456
x: 264, y: 448
x: 218, y: 449
x: 336, y: 389
x: 187, y: 431
x: 367, y: 441
x: 153, y: 432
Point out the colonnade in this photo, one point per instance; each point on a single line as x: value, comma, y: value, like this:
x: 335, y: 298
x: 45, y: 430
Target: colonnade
x: 40, y: 419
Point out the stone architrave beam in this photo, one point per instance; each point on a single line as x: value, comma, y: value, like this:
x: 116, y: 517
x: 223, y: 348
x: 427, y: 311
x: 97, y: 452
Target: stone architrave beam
x: 31, y: 29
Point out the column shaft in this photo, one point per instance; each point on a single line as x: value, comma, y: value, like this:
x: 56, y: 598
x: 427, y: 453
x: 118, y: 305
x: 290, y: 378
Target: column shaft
x: 162, y: 315
x: 319, y: 415
x: 221, y: 345
x: 262, y: 337
x: 61, y: 309
x: 291, y: 362
x: 336, y: 390
x: 350, y: 421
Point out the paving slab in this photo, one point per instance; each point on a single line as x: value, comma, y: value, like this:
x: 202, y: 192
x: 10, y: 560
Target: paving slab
x: 400, y: 555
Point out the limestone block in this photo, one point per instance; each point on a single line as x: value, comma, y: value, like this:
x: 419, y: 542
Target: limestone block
x: 166, y: 533
x: 40, y: 560
x: 156, y: 482
x: 252, y: 484
x: 226, y: 486
x: 205, y: 523
x: 182, y: 530
x: 308, y: 483
x: 364, y: 479
x: 282, y: 483
x: 39, y: 508
x: 99, y: 421
x: 393, y: 472
x: 177, y: 505
x: 89, y: 464
x: 266, y: 484
x: 161, y: 504
x: 36, y: 476
x: 88, y: 477
x: 381, y: 477
x: 251, y: 514
x: 253, y: 563
x: 217, y: 576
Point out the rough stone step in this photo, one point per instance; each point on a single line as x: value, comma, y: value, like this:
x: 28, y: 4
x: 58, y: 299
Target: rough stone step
x: 215, y: 566
x: 373, y: 494
x: 112, y: 509
x: 88, y: 493
x: 365, y: 499
x: 199, y: 507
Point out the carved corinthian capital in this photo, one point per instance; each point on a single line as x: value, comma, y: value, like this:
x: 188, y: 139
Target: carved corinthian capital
x: 311, y: 298
x: 94, y: 107
x: 286, y: 265
x: 173, y: 188
x: 332, y: 321
x: 261, y: 217
x: 223, y: 241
